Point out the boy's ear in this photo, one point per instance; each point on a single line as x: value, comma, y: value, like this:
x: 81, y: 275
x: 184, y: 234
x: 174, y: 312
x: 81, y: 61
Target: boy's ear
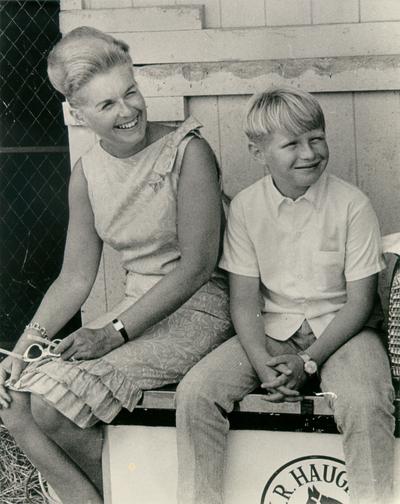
x: 256, y: 151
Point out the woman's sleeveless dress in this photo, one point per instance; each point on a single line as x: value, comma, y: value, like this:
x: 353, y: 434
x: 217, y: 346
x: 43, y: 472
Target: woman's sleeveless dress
x: 134, y: 202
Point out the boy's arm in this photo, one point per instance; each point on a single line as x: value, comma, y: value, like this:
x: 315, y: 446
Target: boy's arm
x: 363, y: 261
x: 248, y: 322
x: 348, y: 322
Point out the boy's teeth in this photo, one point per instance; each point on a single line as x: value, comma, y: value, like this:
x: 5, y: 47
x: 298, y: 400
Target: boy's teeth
x: 128, y: 125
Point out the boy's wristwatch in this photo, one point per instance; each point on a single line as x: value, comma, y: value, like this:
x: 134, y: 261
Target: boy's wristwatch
x: 310, y: 366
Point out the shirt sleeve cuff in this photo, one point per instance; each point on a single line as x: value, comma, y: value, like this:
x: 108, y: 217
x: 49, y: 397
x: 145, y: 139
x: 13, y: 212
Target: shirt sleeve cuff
x: 366, y: 272
x: 238, y: 270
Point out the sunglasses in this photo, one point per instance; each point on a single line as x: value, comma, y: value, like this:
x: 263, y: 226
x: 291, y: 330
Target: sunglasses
x: 36, y: 351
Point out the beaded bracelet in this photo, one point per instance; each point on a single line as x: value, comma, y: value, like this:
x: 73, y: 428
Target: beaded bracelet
x: 37, y: 327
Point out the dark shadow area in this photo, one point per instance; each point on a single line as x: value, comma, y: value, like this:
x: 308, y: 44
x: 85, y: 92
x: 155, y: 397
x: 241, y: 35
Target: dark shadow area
x: 34, y: 164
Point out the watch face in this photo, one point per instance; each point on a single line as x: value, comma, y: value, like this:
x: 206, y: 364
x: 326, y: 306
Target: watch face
x: 310, y: 367
x: 118, y: 325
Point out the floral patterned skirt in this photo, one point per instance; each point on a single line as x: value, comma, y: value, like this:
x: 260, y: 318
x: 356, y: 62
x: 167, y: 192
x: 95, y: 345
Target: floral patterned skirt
x: 93, y: 390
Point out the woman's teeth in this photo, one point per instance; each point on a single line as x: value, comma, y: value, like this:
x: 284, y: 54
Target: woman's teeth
x: 127, y: 125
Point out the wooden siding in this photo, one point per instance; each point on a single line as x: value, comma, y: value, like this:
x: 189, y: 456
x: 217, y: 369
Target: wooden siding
x: 141, y: 19
x: 250, y: 44
x: 209, y: 61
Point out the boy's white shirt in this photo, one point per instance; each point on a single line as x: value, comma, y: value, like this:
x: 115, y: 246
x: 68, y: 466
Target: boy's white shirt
x: 391, y: 243
x: 303, y: 251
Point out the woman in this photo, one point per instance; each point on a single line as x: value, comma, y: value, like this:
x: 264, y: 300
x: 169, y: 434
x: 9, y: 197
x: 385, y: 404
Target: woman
x: 152, y: 193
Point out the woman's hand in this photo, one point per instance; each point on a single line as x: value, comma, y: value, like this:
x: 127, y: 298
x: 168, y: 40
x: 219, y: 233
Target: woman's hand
x: 13, y: 366
x: 85, y: 343
x: 5, y: 397
x: 9, y: 368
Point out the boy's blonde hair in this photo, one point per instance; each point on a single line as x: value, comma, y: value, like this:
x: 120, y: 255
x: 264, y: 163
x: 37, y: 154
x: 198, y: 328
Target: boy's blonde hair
x: 80, y: 55
x: 284, y: 109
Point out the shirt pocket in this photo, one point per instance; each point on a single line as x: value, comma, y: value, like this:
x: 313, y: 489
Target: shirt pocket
x: 328, y: 271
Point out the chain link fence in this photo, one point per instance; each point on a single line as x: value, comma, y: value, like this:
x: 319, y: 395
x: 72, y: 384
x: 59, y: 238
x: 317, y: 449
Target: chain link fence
x: 34, y: 164
x: 29, y: 109
x: 34, y: 172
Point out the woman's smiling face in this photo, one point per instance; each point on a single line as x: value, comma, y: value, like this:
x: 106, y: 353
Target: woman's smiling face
x: 114, y: 108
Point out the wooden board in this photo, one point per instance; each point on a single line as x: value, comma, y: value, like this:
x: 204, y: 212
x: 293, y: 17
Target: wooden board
x: 334, y: 74
x: 318, y: 41
x: 139, y: 19
x: 378, y: 154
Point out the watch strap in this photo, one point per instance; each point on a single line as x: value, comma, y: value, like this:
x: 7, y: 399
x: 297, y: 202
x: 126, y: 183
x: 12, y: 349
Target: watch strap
x: 119, y: 326
x: 304, y: 356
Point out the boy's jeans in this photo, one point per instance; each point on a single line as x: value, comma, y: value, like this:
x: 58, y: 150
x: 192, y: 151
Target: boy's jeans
x: 358, y: 373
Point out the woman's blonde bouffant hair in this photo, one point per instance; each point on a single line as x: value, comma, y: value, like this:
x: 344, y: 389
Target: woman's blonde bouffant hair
x: 80, y: 55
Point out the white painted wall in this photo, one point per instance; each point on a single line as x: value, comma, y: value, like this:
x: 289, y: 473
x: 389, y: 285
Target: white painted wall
x: 208, y: 60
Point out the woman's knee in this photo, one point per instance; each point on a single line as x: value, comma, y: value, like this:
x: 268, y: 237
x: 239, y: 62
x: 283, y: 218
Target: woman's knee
x: 17, y: 416
x: 45, y: 415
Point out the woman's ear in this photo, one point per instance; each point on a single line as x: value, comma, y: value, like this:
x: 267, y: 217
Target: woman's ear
x: 77, y: 115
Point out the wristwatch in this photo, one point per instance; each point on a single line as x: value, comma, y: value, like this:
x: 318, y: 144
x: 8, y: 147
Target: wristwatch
x: 119, y: 326
x: 310, y: 366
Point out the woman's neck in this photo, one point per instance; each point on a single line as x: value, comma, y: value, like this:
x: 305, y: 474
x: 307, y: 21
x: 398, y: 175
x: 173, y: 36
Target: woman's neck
x: 122, y: 151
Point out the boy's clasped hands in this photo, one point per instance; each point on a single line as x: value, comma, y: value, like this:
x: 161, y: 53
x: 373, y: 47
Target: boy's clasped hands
x: 284, y: 376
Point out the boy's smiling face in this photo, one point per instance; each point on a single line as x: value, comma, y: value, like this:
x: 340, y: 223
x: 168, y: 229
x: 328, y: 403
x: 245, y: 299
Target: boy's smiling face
x: 294, y: 161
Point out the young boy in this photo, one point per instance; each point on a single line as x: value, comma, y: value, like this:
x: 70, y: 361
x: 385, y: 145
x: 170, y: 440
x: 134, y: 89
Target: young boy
x: 308, y: 245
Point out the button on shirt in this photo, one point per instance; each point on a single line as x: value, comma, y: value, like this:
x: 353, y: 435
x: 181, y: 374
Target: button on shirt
x: 303, y: 251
